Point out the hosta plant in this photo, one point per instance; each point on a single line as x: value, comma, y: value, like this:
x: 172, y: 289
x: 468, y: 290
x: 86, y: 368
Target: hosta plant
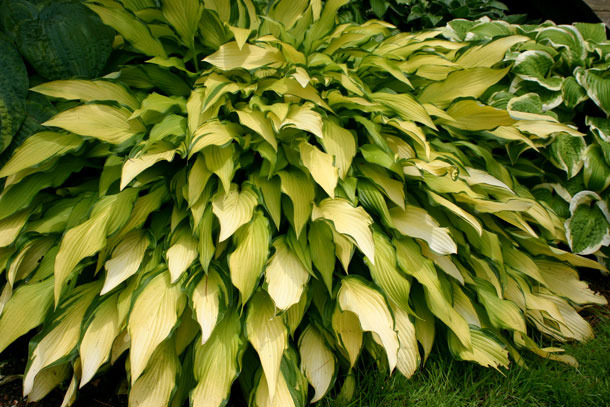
x: 561, y: 74
x: 305, y: 193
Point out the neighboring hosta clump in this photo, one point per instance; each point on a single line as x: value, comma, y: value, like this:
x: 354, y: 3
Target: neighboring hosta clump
x: 316, y: 191
x: 561, y: 74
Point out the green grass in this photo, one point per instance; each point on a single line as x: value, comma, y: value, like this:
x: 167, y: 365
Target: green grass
x: 446, y: 382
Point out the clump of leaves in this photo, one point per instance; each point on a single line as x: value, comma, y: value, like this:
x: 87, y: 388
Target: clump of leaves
x: 412, y: 15
x: 313, y: 192
x: 561, y: 74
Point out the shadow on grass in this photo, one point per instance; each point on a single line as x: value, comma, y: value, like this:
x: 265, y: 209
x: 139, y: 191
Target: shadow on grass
x: 443, y: 381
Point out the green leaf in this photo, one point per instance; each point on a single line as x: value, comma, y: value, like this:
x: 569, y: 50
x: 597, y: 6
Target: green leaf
x: 587, y: 229
x: 567, y: 153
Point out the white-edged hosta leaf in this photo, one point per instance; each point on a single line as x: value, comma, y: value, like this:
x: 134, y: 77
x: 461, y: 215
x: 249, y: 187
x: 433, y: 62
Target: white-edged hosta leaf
x: 231, y: 56
x: 563, y: 280
x: 320, y: 166
x: 285, y: 275
x: 587, y: 229
x: 468, y: 82
x: 567, y: 153
x: 597, y: 87
x: 348, y: 220
x: 97, y: 341
x: 408, y: 352
x: 234, y: 209
x: 372, y: 311
x: 155, y: 386
x: 154, y: 314
x: 88, y: 91
x: 218, y: 362
x: 38, y: 148
x: 317, y: 361
x: 182, y: 252
x: 126, y: 259
x: 301, y: 191
x: 62, y: 336
x: 268, y: 335
x: 416, y: 222
x: 135, y: 31
x: 25, y: 310
x: 208, y: 297
x: 341, y: 144
x: 246, y: 263
x: 103, y: 122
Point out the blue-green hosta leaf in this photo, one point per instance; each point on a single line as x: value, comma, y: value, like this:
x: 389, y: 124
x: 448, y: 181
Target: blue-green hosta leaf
x: 597, y: 87
x: 373, y: 313
x: 246, y: 263
x: 103, y: 122
x: 587, y: 229
x: 567, y: 153
x: 218, y: 362
x: 349, y: 221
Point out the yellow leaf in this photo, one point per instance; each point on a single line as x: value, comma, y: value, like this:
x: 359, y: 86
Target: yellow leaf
x: 182, y: 252
x: 234, y: 209
x: 88, y: 91
x: 317, y: 361
x: 285, y: 275
x: 416, y: 222
x: 231, y: 56
x: 247, y: 261
x: 103, y: 122
x: 320, y: 166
